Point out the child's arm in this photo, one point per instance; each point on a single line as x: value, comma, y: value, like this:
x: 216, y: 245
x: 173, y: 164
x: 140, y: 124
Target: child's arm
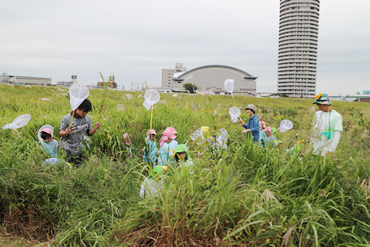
x: 64, y: 127
x: 64, y: 132
x: 92, y: 131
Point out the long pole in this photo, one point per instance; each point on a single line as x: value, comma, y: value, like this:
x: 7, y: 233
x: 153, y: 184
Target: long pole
x: 151, y: 117
x: 73, y: 113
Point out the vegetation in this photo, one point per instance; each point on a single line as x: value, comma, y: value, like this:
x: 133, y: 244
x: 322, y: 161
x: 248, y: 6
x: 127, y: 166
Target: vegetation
x: 190, y: 87
x: 242, y: 196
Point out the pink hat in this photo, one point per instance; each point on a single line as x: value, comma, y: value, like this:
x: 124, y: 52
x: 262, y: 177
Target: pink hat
x: 173, y: 130
x: 268, y: 129
x: 152, y: 132
x: 48, y: 131
x: 127, y: 139
x: 168, y: 133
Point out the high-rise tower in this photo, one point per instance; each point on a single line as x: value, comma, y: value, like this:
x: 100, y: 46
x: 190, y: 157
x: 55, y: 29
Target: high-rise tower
x: 298, y: 36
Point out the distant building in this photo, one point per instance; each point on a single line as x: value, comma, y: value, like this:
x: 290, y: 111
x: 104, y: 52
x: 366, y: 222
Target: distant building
x: 25, y: 80
x: 167, y: 76
x: 298, y: 37
x: 68, y: 83
x: 211, y: 78
x: 110, y: 83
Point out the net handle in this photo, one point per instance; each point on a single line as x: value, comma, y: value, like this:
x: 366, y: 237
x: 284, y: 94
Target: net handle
x: 151, y: 118
x: 73, y: 113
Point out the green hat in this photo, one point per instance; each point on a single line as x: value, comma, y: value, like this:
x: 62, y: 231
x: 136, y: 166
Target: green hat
x: 183, y: 148
x: 322, y: 99
x: 158, y: 169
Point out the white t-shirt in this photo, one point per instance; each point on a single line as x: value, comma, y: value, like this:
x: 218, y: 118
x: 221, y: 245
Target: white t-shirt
x: 326, y: 126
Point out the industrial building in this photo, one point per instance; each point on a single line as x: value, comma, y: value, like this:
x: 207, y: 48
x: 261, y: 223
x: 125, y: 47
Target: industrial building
x: 25, y: 80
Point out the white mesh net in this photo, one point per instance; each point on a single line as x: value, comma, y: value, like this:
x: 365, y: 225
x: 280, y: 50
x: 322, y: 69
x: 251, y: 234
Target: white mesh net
x: 47, y: 126
x: 285, y: 125
x: 234, y: 114
x: 151, y: 97
x: 77, y: 93
x: 222, y: 138
x: 229, y: 85
x: 19, y: 122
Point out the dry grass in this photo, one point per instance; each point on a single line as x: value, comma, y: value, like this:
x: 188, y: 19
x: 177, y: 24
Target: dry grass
x: 9, y: 240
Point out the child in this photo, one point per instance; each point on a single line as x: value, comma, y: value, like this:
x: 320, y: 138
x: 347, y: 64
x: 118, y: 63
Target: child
x: 168, y: 145
x: 182, y: 156
x: 48, y: 143
x: 127, y: 139
x: 151, y: 149
x: 51, y: 147
x: 262, y: 135
x: 150, y: 187
x: 269, y: 138
x: 71, y: 138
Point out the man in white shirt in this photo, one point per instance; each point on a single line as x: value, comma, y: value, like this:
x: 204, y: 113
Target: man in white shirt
x: 327, y: 127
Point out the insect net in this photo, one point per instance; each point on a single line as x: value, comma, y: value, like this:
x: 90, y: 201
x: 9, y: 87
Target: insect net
x: 151, y: 97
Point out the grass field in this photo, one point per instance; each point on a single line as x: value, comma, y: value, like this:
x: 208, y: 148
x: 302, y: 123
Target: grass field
x: 243, y: 196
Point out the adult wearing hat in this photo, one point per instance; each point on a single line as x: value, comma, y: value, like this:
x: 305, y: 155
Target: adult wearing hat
x: 328, y: 127
x: 253, y: 127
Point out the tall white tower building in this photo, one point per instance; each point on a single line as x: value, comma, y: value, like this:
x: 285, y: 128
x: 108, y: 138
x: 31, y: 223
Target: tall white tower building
x: 298, y: 36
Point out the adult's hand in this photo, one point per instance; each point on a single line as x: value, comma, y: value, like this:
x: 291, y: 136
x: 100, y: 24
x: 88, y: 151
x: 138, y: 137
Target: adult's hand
x: 245, y: 131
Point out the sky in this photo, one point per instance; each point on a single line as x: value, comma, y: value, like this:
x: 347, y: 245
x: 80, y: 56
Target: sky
x: 135, y: 40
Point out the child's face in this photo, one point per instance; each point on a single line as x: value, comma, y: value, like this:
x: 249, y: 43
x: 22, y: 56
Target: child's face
x: 48, y: 139
x: 81, y: 113
x: 152, y: 137
x: 168, y: 140
x: 182, y: 155
x: 261, y: 127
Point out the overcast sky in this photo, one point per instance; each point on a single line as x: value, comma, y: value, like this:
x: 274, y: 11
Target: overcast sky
x: 137, y: 39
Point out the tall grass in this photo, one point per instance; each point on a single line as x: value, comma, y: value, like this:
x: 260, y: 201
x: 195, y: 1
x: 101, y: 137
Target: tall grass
x: 243, y: 196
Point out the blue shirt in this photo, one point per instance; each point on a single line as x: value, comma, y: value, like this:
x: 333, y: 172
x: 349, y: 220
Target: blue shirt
x: 166, y: 152
x: 262, y: 135
x: 150, y: 152
x: 51, y: 148
x: 254, y: 126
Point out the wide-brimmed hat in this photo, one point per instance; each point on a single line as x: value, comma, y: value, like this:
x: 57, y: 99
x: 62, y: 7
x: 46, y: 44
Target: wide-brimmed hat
x: 182, y: 148
x: 322, y: 99
x: 152, y: 132
x: 48, y: 131
x: 251, y: 107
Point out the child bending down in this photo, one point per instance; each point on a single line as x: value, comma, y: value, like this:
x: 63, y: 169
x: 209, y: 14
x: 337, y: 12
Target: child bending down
x: 150, y: 187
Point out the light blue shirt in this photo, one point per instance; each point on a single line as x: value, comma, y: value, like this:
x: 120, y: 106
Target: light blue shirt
x: 150, y: 152
x: 51, y: 148
x: 166, y: 152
